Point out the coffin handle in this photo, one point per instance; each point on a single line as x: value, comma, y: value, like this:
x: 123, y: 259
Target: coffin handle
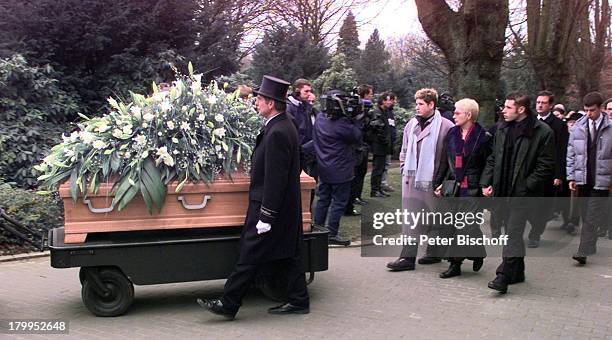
x: 194, y: 206
x: 98, y: 210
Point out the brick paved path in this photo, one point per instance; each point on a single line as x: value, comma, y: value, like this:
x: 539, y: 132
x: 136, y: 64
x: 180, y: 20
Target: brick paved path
x: 356, y: 298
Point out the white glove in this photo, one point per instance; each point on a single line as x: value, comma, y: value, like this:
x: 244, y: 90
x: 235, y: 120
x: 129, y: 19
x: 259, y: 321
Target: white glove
x: 263, y: 227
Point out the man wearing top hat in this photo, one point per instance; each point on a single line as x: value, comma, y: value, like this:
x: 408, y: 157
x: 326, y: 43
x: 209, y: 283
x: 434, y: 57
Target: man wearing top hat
x: 272, y: 232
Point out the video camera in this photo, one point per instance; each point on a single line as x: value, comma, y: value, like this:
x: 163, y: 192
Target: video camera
x: 336, y: 104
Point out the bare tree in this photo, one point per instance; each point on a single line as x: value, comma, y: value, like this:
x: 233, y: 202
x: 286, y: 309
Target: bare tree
x: 592, y: 46
x: 321, y: 19
x: 472, y: 40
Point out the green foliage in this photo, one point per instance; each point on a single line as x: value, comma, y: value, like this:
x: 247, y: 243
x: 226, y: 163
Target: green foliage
x: 34, y: 110
x: 235, y: 79
x: 374, y: 64
x: 103, y: 48
x: 402, y: 116
x: 338, y: 77
x: 348, y: 41
x: 289, y: 54
x: 39, y: 212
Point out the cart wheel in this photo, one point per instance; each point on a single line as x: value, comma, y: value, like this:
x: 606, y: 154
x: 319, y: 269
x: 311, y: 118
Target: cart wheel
x: 120, y: 293
x: 273, y: 287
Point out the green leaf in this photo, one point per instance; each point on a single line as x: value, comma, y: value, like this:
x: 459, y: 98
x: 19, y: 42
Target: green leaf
x: 74, y: 190
x: 239, y: 155
x: 155, y: 89
x: 151, y: 177
x: 113, y: 103
x: 146, y: 197
x: 129, y: 195
x: 83, y: 116
x: 182, y: 184
x: 190, y: 68
x: 115, y: 162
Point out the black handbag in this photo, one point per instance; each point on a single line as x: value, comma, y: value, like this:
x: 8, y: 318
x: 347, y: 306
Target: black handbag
x: 450, y: 188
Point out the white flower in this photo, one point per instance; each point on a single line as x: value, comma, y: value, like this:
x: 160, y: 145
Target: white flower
x: 201, y: 117
x: 165, y: 106
x: 176, y: 152
x: 127, y: 129
x: 99, y: 144
x: 219, y: 117
x: 175, y: 140
x: 170, y: 125
x: 86, y: 136
x: 74, y: 136
x: 217, y: 148
x: 198, y: 77
x: 169, y: 161
x: 162, y: 151
x: 135, y: 110
x: 196, y: 87
x: 141, y: 140
x: 160, y: 134
x: 212, y: 100
x: 193, y: 142
x: 68, y: 152
x: 148, y: 116
x: 103, y: 127
x: 185, y: 126
x: 145, y: 125
x: 117, y: 133
x: 159, y: 96
x: 184, y: 108
x: 220, y: 132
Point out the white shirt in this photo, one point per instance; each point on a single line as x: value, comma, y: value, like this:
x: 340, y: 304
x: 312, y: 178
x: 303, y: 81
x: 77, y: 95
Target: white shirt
x: 540, y: 117
x: 270, y: 118
x: 594, y: 124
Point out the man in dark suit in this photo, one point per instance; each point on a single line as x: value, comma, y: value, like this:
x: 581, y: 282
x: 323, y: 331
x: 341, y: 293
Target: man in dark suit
x: 272, y: 233
x: 555, y: 187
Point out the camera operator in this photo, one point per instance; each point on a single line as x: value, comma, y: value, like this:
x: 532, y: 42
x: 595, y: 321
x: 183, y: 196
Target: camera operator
x: 336, y: 132
x: 365, y: 93
x: 379, y: 138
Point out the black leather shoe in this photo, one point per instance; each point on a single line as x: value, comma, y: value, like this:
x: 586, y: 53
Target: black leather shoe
x: 429, y: 260
x: 352, y: 212
x: 339, y: 241
x: 388, y: 188
x: 385, y: 194
x: 519, y: 278
x: 581, y: 259
x: 499, y: 284
x: 216, y: 306
x: 288, y: 308
x: 453, y: 270
x: 378, y: 194
x: 402, y: 263
x: 478, y: 262
x: 533, y: 243
x: 360, y: 201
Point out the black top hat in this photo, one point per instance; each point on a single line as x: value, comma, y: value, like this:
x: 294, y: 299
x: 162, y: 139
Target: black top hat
x: 273, y: 88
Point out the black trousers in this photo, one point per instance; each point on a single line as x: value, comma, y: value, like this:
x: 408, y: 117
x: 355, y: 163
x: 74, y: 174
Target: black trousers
x: 241, y: 278
x: 513, y: 254
x: 594, y: 211
x: 378, y: 167
x: 361, y: 169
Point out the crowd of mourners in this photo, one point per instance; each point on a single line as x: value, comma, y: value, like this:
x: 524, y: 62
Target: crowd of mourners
x: 563, y: 158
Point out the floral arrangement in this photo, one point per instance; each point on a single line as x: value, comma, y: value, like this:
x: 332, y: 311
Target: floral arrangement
x: 188, y: 133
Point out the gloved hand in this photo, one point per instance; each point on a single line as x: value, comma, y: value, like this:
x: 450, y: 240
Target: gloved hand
x: 263, y: 227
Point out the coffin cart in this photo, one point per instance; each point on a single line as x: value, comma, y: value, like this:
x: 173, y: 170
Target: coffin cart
x: 144, y: 250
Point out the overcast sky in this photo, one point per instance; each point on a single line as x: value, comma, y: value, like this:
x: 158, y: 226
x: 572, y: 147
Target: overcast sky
x: 396, y: 18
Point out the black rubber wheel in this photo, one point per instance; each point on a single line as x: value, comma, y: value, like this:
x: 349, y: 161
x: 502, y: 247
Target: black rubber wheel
x: 118, y: 300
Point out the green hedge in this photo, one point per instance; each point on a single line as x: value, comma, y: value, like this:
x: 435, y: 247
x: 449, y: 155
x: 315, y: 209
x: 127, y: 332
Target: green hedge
x: 38, y: 212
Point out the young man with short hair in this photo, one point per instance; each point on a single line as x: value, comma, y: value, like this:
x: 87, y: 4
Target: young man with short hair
x: 589, y: 171
x: 521, y: 164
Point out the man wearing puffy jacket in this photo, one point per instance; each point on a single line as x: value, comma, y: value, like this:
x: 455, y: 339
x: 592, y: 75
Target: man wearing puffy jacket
x: 335, y: 136
x: 589, y: 171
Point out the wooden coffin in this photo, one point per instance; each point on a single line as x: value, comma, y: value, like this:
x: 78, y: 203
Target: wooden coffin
x: 219, y: 204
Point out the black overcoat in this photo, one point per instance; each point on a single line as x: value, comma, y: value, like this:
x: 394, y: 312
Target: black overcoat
x: 274, y: 195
